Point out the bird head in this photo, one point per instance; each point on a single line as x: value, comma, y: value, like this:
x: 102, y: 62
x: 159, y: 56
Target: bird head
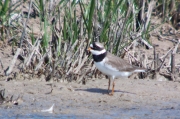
x: 96, y: 48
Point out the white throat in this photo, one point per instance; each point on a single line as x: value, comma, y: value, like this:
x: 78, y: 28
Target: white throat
x: 95, y: 52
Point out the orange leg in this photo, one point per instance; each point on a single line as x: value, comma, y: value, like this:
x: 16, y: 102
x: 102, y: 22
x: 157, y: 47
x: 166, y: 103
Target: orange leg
x: 112, y: 92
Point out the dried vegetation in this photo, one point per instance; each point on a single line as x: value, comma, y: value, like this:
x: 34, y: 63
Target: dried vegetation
x: 50, y: 38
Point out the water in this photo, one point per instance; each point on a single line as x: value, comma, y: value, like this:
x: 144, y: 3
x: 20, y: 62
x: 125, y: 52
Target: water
x: 129, y: 113
x: 162, y: 110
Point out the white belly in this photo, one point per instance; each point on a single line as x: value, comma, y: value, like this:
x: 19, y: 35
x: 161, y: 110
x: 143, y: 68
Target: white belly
x: 110, y: 71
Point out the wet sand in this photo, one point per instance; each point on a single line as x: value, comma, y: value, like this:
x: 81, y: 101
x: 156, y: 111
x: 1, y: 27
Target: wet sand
x: 133, y: 99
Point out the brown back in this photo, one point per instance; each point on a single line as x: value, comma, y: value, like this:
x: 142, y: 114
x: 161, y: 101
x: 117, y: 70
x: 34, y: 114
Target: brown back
x: 120, y: 64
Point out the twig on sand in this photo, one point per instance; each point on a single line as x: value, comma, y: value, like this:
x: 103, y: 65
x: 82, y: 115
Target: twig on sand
x: 146, y: 43
x: 10, y: 68
x: 164, y: 56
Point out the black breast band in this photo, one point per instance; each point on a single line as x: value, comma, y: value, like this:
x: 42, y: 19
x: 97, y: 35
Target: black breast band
x: 99, y: 58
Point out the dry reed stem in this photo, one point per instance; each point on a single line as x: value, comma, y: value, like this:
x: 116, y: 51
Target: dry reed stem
x: 124, y: 24
x: 77, y: 69
x: 1, y: 64
x: 11, y: 66
x: 148, y: 16
x: 134, y: 17
x: 81, y: 52
x: 173, y: 62
x: 79, y: 80
x: 145, y: 60
x: 24, y: 25
x: 131, y: 55
x: 41, y: 61
x: 172, y: 66
x: 33, y: 49
x: 155, y: 59
x: 176, y: 47
x: 71, y: 67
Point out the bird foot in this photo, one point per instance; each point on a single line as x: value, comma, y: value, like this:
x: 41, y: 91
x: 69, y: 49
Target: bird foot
x: 110, y: 94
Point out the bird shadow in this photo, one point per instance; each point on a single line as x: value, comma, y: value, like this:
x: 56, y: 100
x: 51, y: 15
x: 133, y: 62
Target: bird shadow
x: 103, y: 91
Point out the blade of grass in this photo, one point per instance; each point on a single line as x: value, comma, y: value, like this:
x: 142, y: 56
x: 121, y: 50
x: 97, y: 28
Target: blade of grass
x: 92, y: 7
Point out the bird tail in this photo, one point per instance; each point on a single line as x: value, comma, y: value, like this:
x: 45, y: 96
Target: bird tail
x: 140, y: 70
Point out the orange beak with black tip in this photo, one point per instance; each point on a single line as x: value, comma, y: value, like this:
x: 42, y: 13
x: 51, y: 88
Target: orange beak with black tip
x: 89, y: 49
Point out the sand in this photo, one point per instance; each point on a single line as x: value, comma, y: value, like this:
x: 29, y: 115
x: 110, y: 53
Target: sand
x: 133, y: 99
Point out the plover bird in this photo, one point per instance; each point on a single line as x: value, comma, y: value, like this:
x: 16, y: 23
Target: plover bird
x: 111, y: 65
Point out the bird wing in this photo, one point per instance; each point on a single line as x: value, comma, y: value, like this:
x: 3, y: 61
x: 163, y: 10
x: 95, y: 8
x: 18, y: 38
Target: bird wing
x: 118, y: 64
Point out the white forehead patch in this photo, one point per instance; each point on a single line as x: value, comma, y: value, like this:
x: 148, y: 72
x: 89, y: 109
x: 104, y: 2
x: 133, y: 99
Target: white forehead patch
x: 99, y: 45
x: 95, y: 52
x: 91, y: 45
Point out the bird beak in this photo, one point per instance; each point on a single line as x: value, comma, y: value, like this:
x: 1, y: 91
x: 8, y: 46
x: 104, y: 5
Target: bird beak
x: 89, y: 49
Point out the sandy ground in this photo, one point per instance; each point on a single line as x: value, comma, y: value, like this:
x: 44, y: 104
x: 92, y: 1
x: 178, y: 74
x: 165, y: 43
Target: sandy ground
x: 133, y: 99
